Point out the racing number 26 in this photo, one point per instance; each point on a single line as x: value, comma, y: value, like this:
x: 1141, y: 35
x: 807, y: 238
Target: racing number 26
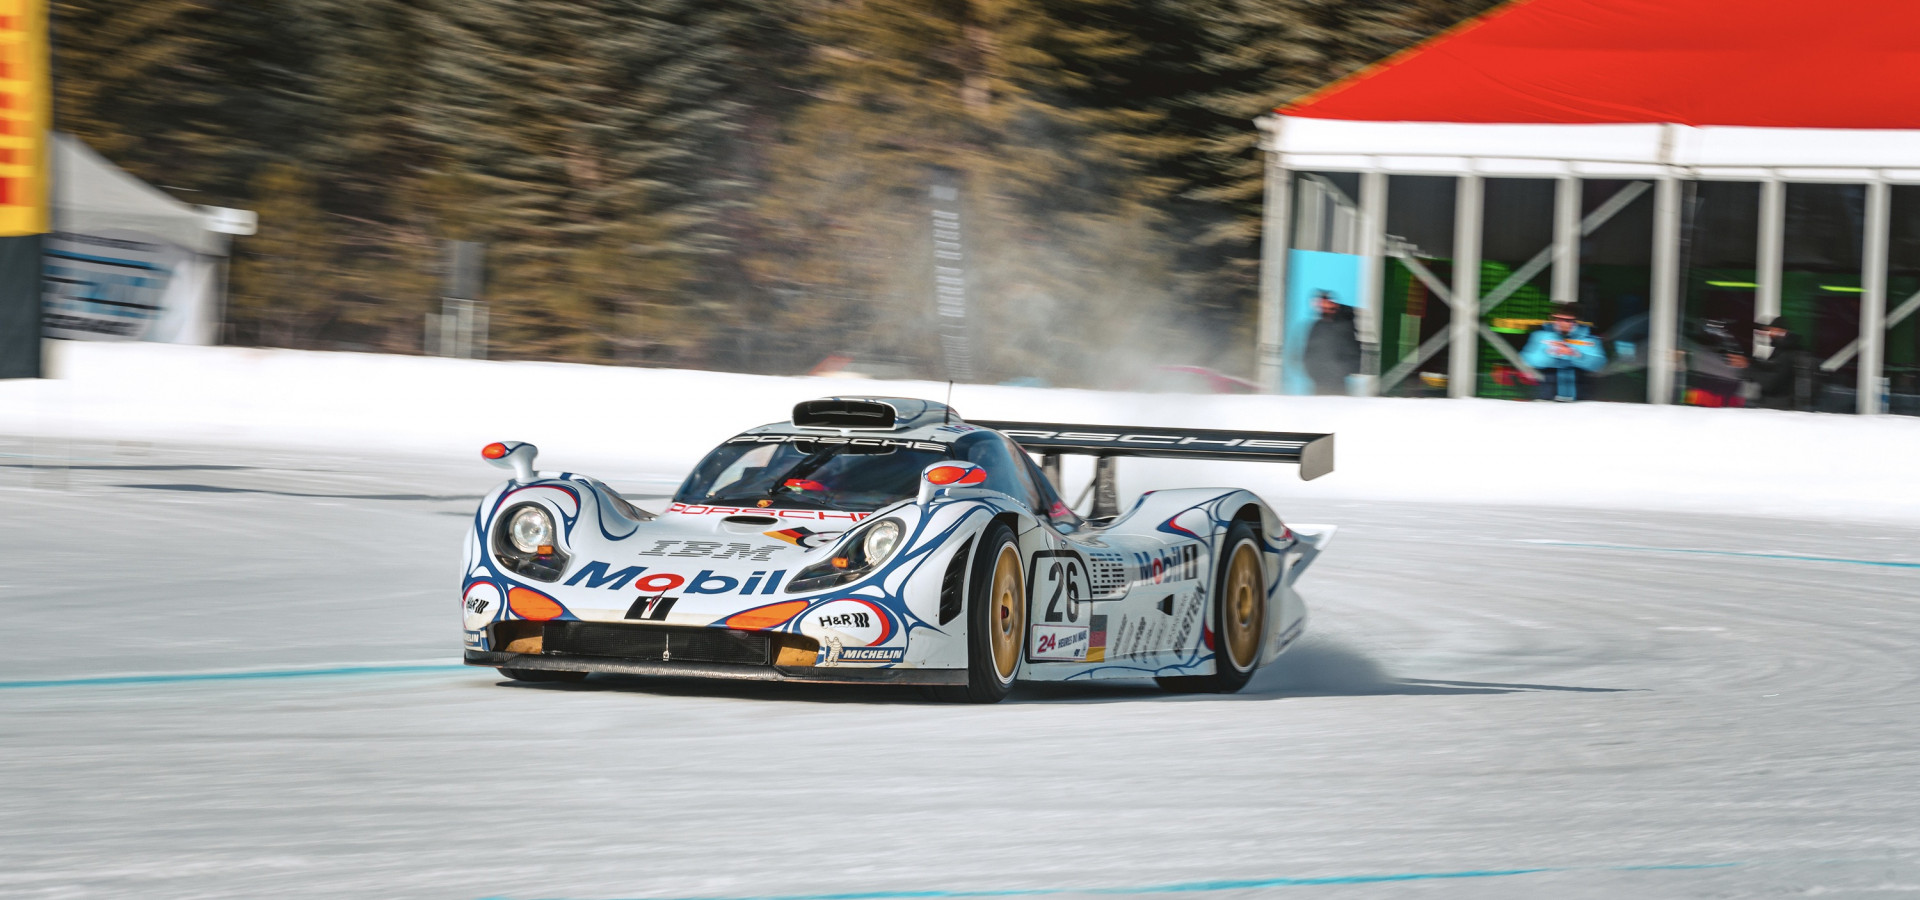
x: 1066, y: 580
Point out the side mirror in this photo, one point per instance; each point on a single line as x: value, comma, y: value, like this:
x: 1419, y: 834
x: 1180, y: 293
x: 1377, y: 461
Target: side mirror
x: 515, y: 455
x: 952, y: 473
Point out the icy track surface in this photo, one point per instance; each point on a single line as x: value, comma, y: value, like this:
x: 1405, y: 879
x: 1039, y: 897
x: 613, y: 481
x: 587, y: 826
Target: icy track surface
x: 231, y: 674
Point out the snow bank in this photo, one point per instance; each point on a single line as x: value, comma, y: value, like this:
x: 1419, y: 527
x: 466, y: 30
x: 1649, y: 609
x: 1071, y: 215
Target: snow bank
x: 650, y: 425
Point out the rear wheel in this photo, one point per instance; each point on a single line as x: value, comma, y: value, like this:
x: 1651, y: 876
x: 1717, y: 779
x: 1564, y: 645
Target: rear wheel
x: 1239, y: 618
x: 996, y: 621
x: 542, y: 675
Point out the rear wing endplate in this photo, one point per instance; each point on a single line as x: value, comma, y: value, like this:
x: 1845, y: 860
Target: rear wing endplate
x: 1313, y: 453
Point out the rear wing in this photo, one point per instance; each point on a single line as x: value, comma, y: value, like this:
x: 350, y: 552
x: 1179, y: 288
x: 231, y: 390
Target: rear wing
x: 1313, y: 453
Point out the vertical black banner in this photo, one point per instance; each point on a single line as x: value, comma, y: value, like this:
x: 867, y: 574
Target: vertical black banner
x: 20, y: 306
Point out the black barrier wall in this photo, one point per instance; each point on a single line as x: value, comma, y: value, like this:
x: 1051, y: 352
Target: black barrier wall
x: 20, y: 307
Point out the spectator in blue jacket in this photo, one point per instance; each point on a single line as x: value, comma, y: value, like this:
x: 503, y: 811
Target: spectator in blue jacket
x: 1561, y: 350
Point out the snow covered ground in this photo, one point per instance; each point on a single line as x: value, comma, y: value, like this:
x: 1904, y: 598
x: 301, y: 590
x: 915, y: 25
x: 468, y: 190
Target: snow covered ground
x: 1611, y: 651
x: 1571, y: 651
x: 234, y: 674
x: 650, y: 425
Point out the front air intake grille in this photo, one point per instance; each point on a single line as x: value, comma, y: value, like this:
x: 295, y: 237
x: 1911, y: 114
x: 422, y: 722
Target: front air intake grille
x: 653, y: 643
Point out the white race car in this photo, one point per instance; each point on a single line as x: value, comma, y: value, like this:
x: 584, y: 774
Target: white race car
x: 885, y: 540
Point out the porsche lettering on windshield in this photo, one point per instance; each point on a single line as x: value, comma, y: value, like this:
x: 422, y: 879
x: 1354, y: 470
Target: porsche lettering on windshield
x: 821, y: 472
x: 830, y: 440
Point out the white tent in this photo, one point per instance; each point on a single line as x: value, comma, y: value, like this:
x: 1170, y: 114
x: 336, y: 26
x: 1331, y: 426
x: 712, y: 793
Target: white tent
x: 128, y: 262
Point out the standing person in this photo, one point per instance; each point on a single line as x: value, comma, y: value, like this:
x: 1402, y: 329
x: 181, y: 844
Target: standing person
x: 1719, y: 367
x: 1561, y: 349
x: 1782, y: 367
x: 1333, y: 346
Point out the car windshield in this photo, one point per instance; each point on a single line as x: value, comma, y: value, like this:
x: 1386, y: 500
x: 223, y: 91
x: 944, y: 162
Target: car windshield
x: 809, y: 474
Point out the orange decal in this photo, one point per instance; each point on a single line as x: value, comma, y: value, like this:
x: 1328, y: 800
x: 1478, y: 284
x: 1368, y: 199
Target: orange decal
x: 766, y: 616
x: 531, y: 604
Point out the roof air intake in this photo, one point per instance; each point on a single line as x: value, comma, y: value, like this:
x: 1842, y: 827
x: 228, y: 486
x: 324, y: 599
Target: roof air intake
x: 835, y: 412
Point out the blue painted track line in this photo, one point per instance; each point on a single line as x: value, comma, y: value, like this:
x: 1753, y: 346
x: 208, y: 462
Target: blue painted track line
x: 1745, y: 554
x: 1196, y: 887
x: 244, y: 675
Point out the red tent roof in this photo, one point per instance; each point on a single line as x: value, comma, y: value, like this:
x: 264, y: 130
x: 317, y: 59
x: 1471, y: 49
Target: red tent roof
x: 1765, y: 63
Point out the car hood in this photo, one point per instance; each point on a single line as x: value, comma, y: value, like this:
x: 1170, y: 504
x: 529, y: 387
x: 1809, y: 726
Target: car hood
x: 699, y: 565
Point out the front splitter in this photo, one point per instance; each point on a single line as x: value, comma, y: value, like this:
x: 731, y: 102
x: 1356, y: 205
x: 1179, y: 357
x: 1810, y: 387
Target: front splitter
x: 555, y: 663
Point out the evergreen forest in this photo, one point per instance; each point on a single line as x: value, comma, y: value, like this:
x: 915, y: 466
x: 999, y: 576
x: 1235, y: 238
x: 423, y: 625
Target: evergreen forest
x: 731, y: 184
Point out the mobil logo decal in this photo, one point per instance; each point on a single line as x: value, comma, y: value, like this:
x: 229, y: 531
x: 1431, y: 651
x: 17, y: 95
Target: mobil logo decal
x: 597, y: 574
x: 1180, y: 563
x: 851, y: 622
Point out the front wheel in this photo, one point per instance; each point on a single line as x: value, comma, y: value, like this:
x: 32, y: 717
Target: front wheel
x: 996, y: 620
x: 1239, y: 618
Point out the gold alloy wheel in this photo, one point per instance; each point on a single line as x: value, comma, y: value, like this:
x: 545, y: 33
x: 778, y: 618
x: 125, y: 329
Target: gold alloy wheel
x: 1008, y: 612
x: 1243, y: 613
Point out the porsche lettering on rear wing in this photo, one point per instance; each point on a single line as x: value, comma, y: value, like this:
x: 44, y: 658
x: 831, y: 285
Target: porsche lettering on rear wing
x: 1312, y: 452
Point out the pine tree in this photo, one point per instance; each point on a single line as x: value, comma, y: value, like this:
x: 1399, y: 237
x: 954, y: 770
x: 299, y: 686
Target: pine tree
x: 195, y: 95
x: 578, y: 139
x: 280, y: 294
x: 1014, y: 95
x: 732, y: 183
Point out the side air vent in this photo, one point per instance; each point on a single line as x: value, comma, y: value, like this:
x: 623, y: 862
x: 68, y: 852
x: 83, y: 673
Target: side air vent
x: 866, y: 415
x: 1108, y: 574
x: 953, y: 588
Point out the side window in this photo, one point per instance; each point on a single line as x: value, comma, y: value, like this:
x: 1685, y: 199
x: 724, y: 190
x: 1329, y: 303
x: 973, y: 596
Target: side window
x: 1052, y: 506
x: 1005, y: 473
x: 748, y: 465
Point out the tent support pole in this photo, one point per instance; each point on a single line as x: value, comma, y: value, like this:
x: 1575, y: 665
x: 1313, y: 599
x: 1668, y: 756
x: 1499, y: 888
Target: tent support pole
x: 220, y: 336
x: 1373, y: 226
x: 1664, y: 316
x: 1773, y: 230
x: 1873, y: 300
x: 1273, y: 260
x: 1566, y: 239
x: 1463, y: 352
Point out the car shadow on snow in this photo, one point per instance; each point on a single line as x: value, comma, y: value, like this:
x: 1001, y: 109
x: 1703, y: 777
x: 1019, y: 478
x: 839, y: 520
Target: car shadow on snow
x: 776, y: 691
x: 1316, y: 667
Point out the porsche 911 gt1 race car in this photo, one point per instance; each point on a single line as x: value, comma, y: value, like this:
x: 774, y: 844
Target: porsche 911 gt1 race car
x: 886, y: 540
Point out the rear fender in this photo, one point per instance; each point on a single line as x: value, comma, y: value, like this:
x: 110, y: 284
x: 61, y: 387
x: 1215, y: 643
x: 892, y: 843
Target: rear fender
x: 1309, y: 541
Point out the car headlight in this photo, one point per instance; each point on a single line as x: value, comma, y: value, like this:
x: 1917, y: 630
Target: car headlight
x: 880, y: 541
x: 531, y: 529
x: 524, y: 539
x: 857, y: 556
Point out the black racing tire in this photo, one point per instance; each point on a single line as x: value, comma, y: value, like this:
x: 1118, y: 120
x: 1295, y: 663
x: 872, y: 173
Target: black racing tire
x: 543, y: 675
x: 996, y: 620
x: 1238, y: 617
